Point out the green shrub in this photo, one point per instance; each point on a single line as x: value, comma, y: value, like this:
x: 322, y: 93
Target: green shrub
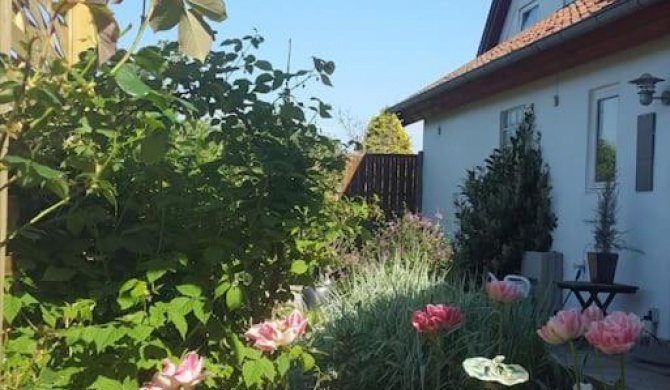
x: 212, y: 198
x: 368, y: 341
x: 505, y: 207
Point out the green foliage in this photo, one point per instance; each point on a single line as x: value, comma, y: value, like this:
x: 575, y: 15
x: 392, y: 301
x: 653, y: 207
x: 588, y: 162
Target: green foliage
x: 385, y: 134
x: 371, y: 344
x: 505, y: 207
x: 605, y: 161
x: 190, y: 197
x: 409, y: 236
x: 606, y: 236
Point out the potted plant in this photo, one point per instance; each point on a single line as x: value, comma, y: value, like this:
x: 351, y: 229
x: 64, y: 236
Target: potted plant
x: 606, y: 236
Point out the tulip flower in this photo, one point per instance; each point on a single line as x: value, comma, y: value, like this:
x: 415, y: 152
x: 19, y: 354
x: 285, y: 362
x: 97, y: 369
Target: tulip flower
x: 435, y: 317
x: 590, y: 315
x: 503, y: 292
x: 616, y: 334
x: 565, y: 326
x: 270, y: 335
x: 186, y: 376
x: 189, y: 373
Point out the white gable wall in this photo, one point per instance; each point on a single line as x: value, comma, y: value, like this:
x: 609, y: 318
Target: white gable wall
x: 464, y: 138
x: 512, y: 22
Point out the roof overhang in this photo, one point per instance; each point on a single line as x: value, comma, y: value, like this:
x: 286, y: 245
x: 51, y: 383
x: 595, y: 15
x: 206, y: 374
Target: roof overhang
x: 623, y: 25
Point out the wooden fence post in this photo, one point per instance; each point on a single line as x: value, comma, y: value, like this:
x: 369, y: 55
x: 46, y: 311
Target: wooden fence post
x: 6, y: 25
x: 419, y: 182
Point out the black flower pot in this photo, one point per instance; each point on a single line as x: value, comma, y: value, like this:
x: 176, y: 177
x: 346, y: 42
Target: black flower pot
x: 602, y: 266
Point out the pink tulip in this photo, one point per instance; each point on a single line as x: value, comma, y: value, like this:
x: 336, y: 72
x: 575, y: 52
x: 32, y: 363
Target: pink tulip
x: 435, y: 317
x: 565, y: 326
x: 186, y: 376
x: 189, y: 373
x: 503, y: 292
x: 591, y: 314
x: 264, y: 336
x: 270, y: 335
x: 616, y: 334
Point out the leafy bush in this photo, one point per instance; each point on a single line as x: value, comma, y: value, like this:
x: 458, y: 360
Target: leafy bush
x: 369, y: 342
x: 409, y: 236
x: 385, y: 134
x: 211, y: 192
x: 505, y: 207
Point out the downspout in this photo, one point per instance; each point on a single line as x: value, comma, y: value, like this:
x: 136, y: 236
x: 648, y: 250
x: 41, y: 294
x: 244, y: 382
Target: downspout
x: 615, y: 12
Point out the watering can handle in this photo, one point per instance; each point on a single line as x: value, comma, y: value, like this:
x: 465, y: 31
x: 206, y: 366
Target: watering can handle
x: 521, y: 281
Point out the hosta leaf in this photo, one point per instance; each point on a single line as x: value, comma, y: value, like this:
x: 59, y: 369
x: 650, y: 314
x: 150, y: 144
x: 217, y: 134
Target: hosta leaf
x: 195, y: 39
x: 211, y: 9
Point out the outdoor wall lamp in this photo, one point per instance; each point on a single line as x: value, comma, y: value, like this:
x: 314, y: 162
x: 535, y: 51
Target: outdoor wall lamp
x: 646, y: 85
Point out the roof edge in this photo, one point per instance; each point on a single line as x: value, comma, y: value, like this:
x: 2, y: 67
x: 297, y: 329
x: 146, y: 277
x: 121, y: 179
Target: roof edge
x: 494, y: 25
x: 607, y: 16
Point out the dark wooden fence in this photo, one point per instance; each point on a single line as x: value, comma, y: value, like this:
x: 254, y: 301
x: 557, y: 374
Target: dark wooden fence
x: 394, y: 179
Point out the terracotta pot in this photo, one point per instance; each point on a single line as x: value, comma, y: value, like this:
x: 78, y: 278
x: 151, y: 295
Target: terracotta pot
x: 602, y: 266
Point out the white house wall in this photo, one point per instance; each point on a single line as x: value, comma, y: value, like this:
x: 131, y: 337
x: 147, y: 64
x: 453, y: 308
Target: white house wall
x: 462, y: 139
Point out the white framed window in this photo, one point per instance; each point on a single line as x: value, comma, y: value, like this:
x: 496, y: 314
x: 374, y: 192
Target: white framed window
x: 529, y: 15
x: 603, y: 127
x: 510, y: 120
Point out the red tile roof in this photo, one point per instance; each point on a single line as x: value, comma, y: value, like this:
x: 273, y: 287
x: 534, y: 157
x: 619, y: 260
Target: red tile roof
x: 559, y: 20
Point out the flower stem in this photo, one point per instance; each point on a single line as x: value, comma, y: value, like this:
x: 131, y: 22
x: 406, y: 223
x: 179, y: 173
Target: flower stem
x: 438, y: 358
x: 500, y: 328
x: 623, y: 372
x: 575, y: 368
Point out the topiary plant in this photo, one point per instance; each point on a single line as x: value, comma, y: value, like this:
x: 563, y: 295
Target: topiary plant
x: 505, y: 206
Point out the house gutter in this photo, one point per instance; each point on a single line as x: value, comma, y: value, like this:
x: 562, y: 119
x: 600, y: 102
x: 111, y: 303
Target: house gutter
x: 615, y: 12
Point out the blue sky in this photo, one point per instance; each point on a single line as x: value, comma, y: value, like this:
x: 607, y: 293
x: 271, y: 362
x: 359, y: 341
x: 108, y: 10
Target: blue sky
x: 384, y: 50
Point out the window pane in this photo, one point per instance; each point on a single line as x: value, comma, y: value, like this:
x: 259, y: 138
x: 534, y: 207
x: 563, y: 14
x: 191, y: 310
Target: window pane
x: 529, y: 17
x: 606, y: 141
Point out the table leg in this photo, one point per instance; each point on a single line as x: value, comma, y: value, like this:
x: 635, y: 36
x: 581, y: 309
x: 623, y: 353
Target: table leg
x: 608, y: 301
x: 580, y: 299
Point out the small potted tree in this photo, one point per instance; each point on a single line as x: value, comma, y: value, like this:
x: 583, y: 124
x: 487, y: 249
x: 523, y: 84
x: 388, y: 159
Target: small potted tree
x: 606, y: 235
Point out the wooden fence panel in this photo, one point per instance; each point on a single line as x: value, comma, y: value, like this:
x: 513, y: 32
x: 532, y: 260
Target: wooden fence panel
x: 394, y: 179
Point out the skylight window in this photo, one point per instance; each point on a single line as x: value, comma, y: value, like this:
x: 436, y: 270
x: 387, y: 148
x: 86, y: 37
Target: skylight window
x: 529, y: 15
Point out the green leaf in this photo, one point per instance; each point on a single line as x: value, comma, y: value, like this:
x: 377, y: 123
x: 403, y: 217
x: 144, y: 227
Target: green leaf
x: 154, y: 147
x: 190, y: 290
x: 179, y: 322
x: 105, y: 383
x: 128, y: 79
x: 211, y: 9
x: 47, y: 317
x: 221, y: 289
x: 12, y: 308
x: 57, y: 274
x: 200, y: 313
x: 283, y: 365
x: 167, y: 14
x: 253, y: 372
x: 195, y: 39
x: 307, y: 362
x: 214, y: 254
x: 299, y: 267
x: 234, y: 298
x: 263, y: 65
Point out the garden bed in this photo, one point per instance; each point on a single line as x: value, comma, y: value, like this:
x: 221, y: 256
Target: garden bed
x: 639, y: 375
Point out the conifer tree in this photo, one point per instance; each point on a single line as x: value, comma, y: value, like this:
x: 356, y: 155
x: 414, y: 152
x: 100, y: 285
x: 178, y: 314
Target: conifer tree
x: 385, y: 134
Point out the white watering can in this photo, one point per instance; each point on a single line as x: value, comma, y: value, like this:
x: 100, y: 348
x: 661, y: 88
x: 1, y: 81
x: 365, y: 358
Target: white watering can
x: 521, y: 281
